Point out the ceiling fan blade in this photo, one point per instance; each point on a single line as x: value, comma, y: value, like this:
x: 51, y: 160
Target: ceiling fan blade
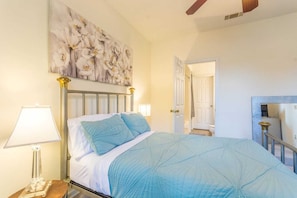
x: 249, y: 5
x: 195, y: 7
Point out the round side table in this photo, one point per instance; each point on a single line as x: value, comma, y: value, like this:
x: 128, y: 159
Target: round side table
x: 58, y: 189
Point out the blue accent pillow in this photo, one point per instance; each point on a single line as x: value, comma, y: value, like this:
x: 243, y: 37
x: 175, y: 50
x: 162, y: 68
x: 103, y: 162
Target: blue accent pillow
x: 104, y: 135
x: 136, y: 123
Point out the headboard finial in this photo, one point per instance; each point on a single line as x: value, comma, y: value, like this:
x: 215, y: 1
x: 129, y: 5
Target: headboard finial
x: 132, y: 89
x: 63, y: 81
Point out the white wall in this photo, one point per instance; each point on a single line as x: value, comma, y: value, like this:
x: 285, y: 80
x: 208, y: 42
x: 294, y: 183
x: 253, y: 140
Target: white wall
x: 25, y: 79
x: 288, y: 117
x: 162, y: 54
x: 256, y: 59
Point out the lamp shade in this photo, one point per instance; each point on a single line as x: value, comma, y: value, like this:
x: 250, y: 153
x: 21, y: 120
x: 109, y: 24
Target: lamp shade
x: 145, y: 109
x: 35, y: 125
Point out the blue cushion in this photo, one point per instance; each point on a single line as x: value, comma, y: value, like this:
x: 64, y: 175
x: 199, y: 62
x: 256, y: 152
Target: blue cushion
x: 136, y: 123
x: 104, y: 135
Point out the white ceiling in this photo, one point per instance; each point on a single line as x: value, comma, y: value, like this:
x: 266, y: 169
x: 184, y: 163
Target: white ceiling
x: 158, y: 19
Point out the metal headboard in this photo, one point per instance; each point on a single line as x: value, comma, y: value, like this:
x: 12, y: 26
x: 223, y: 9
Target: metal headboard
x: 65, y: 94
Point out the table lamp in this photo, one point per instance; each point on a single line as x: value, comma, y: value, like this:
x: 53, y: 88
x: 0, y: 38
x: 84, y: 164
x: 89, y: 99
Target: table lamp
x: 35, y: 125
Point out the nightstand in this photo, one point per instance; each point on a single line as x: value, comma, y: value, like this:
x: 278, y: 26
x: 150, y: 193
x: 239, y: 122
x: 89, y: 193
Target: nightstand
x: 58, y: 189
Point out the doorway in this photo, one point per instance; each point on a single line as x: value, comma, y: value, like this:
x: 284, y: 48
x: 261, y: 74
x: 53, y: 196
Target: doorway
x: 200, y: 96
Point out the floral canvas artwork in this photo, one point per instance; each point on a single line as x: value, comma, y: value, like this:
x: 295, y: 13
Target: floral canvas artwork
x: 79, y: 49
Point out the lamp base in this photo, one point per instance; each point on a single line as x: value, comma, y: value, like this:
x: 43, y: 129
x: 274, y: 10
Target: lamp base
x: 27, y: 193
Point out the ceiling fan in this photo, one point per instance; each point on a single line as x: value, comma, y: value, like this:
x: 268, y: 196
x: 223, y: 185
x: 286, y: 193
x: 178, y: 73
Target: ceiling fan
x: 247, y: 5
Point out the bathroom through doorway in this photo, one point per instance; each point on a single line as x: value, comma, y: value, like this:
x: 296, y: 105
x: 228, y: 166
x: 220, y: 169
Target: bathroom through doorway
x: 201, y: 96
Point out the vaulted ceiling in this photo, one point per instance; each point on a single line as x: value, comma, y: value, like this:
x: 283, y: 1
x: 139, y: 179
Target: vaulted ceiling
x: 158, y: 19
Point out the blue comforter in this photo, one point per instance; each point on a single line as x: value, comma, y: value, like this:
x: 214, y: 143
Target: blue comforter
x: 170, y: 165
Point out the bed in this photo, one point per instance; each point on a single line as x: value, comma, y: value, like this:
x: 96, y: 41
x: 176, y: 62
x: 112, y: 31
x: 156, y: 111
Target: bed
x: 138, y: 162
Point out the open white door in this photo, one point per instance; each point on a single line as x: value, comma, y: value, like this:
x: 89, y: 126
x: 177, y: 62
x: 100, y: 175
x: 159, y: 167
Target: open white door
x: 179, y: 96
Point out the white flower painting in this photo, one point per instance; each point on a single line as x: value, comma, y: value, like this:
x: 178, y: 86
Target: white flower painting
x: 79, y: 49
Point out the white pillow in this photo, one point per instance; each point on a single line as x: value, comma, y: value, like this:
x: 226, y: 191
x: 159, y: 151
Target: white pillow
x: 78, y: 145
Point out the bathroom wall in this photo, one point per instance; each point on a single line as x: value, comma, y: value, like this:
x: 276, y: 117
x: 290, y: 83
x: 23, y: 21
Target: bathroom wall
x: 288, y: 117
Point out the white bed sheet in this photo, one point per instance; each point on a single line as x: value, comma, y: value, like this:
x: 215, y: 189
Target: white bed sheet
x: 92, y: 170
